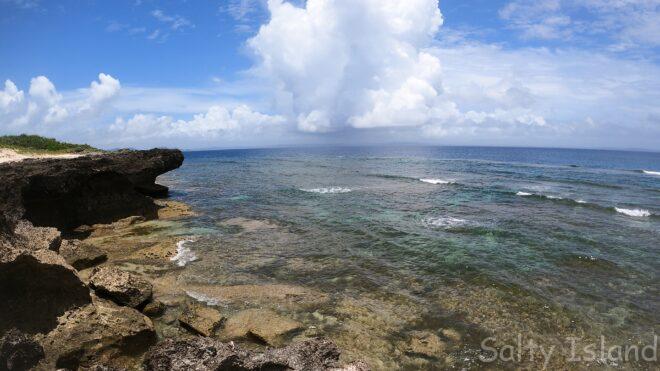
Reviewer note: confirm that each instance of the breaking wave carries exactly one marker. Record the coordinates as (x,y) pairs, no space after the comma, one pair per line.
(183,253)
(328,190)
(202,298)
(436,181)
(649,172)
(633,212)
(445,222)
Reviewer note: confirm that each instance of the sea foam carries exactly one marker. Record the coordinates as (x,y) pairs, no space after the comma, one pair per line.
(183,253)
(436,181)
(651,172)
(202,298)
(527,194)
(445,221)
(633,212)
(328,190)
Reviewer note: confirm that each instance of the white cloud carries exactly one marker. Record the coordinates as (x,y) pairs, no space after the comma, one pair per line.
(24,4)
(175,22)
(10,97)
(359,63)
(45,105)
(217,121)
(369,71)
(44,99)
(42,89)
(374,65)
(548,97)
(100,92)
(623,23)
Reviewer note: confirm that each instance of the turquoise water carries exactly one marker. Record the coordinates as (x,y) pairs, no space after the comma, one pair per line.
(574,234)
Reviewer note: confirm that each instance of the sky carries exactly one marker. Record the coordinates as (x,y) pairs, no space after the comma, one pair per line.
(203,74)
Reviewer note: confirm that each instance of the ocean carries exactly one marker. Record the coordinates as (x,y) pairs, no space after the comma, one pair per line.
(463,243)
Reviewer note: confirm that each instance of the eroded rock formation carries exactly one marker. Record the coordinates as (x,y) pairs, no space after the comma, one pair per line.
(66,193)
(36,287)
(42,297)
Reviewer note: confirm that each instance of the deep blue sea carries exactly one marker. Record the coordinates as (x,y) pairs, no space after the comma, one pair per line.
(545,242)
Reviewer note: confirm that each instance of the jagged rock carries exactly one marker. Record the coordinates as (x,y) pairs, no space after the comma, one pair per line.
(200,319)
(154,308)
(122,287)
(95,334)
(425,344)
(66,193)
(208,354)
(263,324)
(19,351)
(81,255)
(35,238)
(36,287)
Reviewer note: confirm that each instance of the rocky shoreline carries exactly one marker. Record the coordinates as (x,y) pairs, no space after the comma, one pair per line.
(70,297)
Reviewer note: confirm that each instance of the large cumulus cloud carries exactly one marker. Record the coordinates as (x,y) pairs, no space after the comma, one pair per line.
(356,63)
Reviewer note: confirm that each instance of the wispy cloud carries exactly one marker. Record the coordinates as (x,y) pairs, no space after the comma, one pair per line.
(23,4)
(621,24)
(174,22)
(247,14)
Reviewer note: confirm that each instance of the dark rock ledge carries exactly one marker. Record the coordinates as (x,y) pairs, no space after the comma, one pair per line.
(52,319)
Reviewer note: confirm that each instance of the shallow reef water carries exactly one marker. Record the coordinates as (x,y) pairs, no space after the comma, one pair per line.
(409,257)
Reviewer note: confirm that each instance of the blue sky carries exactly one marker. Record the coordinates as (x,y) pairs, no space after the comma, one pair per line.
(249,73)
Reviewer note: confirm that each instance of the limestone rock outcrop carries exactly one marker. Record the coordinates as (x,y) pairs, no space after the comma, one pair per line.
(81,255)
(208,354)
(66,193)
(200,319)
(19,351)
(124,288)
(36,287)
(95,333)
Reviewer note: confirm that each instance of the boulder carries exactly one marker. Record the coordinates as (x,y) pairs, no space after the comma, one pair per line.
(154,308)
(81,255)
(209,354)
(35,238)
(36,287)
(262,324)
(96,334)
(122,287)
(19,351)
(200,319)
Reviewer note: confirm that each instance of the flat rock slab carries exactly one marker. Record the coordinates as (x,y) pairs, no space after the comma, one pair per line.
(81,255)
(260,295)
(173,209)
(200,319)
(122,287)
(263,324)
(209,354)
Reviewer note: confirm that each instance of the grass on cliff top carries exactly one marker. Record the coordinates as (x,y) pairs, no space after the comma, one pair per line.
(37,144)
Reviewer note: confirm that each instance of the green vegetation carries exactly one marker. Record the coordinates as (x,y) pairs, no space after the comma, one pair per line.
(38,144)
